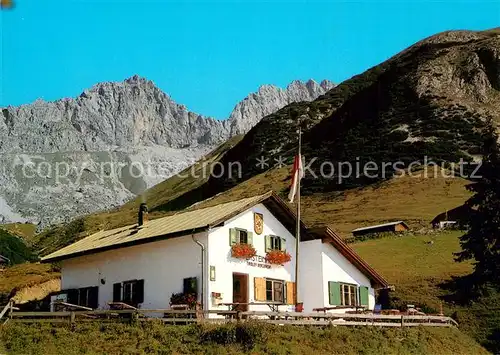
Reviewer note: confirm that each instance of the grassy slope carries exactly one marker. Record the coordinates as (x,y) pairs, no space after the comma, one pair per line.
(14,248)
(413,199)
(419,270)
(158,338)
(25,275)
(23,230)
(414,266)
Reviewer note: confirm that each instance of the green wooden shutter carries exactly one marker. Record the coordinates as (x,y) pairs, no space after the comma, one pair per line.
(117,292)
(334,293)
(268,243)
(139,294)
(363,295)
(190,285)
(73,295)
(283,244)
(93,300)
(250,238)
(233,236)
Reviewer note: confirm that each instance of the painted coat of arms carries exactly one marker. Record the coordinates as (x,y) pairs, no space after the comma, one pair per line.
(258,223)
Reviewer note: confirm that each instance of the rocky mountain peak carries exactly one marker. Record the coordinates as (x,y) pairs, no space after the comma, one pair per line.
(269,99)
(327,85)
(115,124)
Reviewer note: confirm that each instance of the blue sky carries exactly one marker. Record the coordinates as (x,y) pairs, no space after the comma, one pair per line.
(209,55)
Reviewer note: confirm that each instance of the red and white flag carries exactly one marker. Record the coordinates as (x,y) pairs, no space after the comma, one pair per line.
(297,174)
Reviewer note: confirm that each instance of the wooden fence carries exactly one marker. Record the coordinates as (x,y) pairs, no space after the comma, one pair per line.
(190,316)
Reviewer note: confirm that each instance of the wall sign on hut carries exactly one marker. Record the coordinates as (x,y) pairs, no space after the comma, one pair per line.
(258,223)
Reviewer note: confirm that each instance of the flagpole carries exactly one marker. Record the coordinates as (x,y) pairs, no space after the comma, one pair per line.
(297,237)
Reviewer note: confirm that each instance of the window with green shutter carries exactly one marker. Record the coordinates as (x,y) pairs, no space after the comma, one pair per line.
(349,295)
(190,285)
(233,236)
(250,238)
(283,244)
(273,242)
(73,296)
(268,243)
(117,292)
(334,293)
(240,236)
(363,295)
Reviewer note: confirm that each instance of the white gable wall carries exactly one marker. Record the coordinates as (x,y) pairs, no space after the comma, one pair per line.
(163,265)
(220,256)
(311,285)
(329,265)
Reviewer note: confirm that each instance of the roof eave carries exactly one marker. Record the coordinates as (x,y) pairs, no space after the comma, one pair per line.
(48,259)
(354,258)
(381,225)
(270,199)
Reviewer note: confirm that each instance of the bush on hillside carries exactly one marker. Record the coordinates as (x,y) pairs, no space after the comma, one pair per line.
(14,248)
(157,338)
(245,334)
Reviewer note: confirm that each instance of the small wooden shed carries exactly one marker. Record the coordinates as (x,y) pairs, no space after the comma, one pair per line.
(459,215)
(392,227)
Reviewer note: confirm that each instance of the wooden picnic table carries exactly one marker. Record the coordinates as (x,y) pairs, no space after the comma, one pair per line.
(120,306)
(232,306)
(71,306)
(325,309)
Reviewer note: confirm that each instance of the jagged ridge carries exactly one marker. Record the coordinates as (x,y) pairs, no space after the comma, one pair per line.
(115,124)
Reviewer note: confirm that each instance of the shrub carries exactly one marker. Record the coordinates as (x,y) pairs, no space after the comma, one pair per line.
(15,249)
(247,335)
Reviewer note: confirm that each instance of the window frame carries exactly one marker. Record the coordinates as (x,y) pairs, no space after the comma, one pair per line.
(274,239)
(349,290)
(188,287)
(272,291)
(84,295)
(275,242)
(133,291)
(239,231)
(136,295)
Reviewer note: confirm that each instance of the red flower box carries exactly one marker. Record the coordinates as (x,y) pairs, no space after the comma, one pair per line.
(182,298)
(243,251)
(278,257)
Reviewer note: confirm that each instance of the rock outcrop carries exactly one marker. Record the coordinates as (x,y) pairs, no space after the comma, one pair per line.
(75,156)
(269,99)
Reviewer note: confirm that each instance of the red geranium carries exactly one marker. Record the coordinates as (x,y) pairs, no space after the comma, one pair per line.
(189,299)
(278,257)
(243,251)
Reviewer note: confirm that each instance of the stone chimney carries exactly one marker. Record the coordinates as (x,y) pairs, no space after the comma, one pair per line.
(143,215)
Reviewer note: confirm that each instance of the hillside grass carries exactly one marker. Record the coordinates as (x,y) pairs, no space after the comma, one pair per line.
(27,274)
(23,230)
(155,337)
(425,274)
(416,200)
(415,266)
(14,248)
